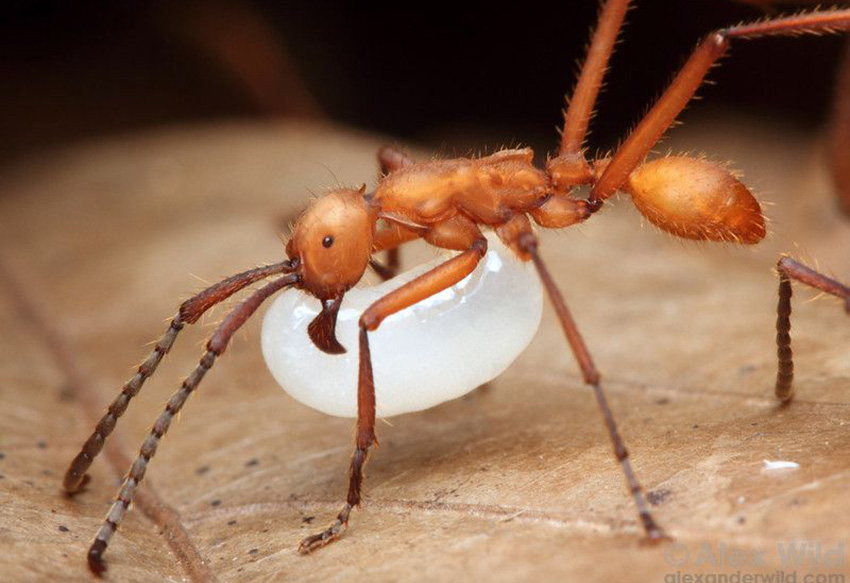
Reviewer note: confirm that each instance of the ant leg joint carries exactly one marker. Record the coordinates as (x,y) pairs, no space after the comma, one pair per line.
(719,39)
(527,242)
(480,245)
(594,204)
(370,321)
(95,557)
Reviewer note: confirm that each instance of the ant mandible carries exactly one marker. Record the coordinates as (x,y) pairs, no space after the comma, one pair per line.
(446,202)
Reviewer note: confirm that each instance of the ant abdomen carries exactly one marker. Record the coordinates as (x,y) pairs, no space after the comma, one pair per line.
(696,199)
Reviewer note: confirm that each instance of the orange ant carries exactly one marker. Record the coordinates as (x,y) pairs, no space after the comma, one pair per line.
(446,202)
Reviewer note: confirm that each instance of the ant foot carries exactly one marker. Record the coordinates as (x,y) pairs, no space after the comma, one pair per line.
(95,557)
(655,536)
(327,536)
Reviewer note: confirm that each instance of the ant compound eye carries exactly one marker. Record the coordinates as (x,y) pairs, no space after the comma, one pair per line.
(327,241)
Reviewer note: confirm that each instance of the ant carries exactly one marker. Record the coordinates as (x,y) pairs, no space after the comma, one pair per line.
(446,203)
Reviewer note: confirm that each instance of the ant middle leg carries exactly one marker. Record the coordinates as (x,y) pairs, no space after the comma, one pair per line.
(789,269)
(580,105)
(570,167)
(528,244)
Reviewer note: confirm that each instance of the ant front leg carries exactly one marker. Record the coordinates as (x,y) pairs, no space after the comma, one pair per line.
(448,235)
(527,243)
(189,313)
(789,269)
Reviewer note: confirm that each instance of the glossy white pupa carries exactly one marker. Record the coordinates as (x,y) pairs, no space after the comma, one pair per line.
(434,351)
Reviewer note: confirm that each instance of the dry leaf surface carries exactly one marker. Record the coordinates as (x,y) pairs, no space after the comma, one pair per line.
(513,482)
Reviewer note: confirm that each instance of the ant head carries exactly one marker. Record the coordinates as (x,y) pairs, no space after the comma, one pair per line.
(332,242)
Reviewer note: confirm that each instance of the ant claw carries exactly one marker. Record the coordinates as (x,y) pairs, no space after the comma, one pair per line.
(317,541)
(655,536)
(70,493)
(95,558)
(324,538)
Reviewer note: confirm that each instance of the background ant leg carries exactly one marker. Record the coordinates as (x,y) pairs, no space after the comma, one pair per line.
(528,243)
(215,348)
(426,285)
(189,313)
(390,159)
(390,239)
(650,129)
(393,261)
(383,271)
(790,269)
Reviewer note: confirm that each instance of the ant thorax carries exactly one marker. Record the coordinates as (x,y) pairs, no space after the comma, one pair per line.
(490,189)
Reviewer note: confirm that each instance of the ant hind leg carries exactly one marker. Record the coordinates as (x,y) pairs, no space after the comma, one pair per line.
(790,269)
(681,90)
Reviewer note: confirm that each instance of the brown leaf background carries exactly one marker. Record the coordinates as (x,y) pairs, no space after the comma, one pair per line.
(514,482)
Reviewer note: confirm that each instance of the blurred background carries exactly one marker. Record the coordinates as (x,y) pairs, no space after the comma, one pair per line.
(454,79)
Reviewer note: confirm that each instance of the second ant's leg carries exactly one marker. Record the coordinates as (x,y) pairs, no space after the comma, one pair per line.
(650,129)
(528,243)
(789,269)
(581,103)
(189,313)
(429,283)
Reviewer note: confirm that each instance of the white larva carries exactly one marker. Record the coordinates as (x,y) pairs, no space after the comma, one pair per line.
(434,351)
